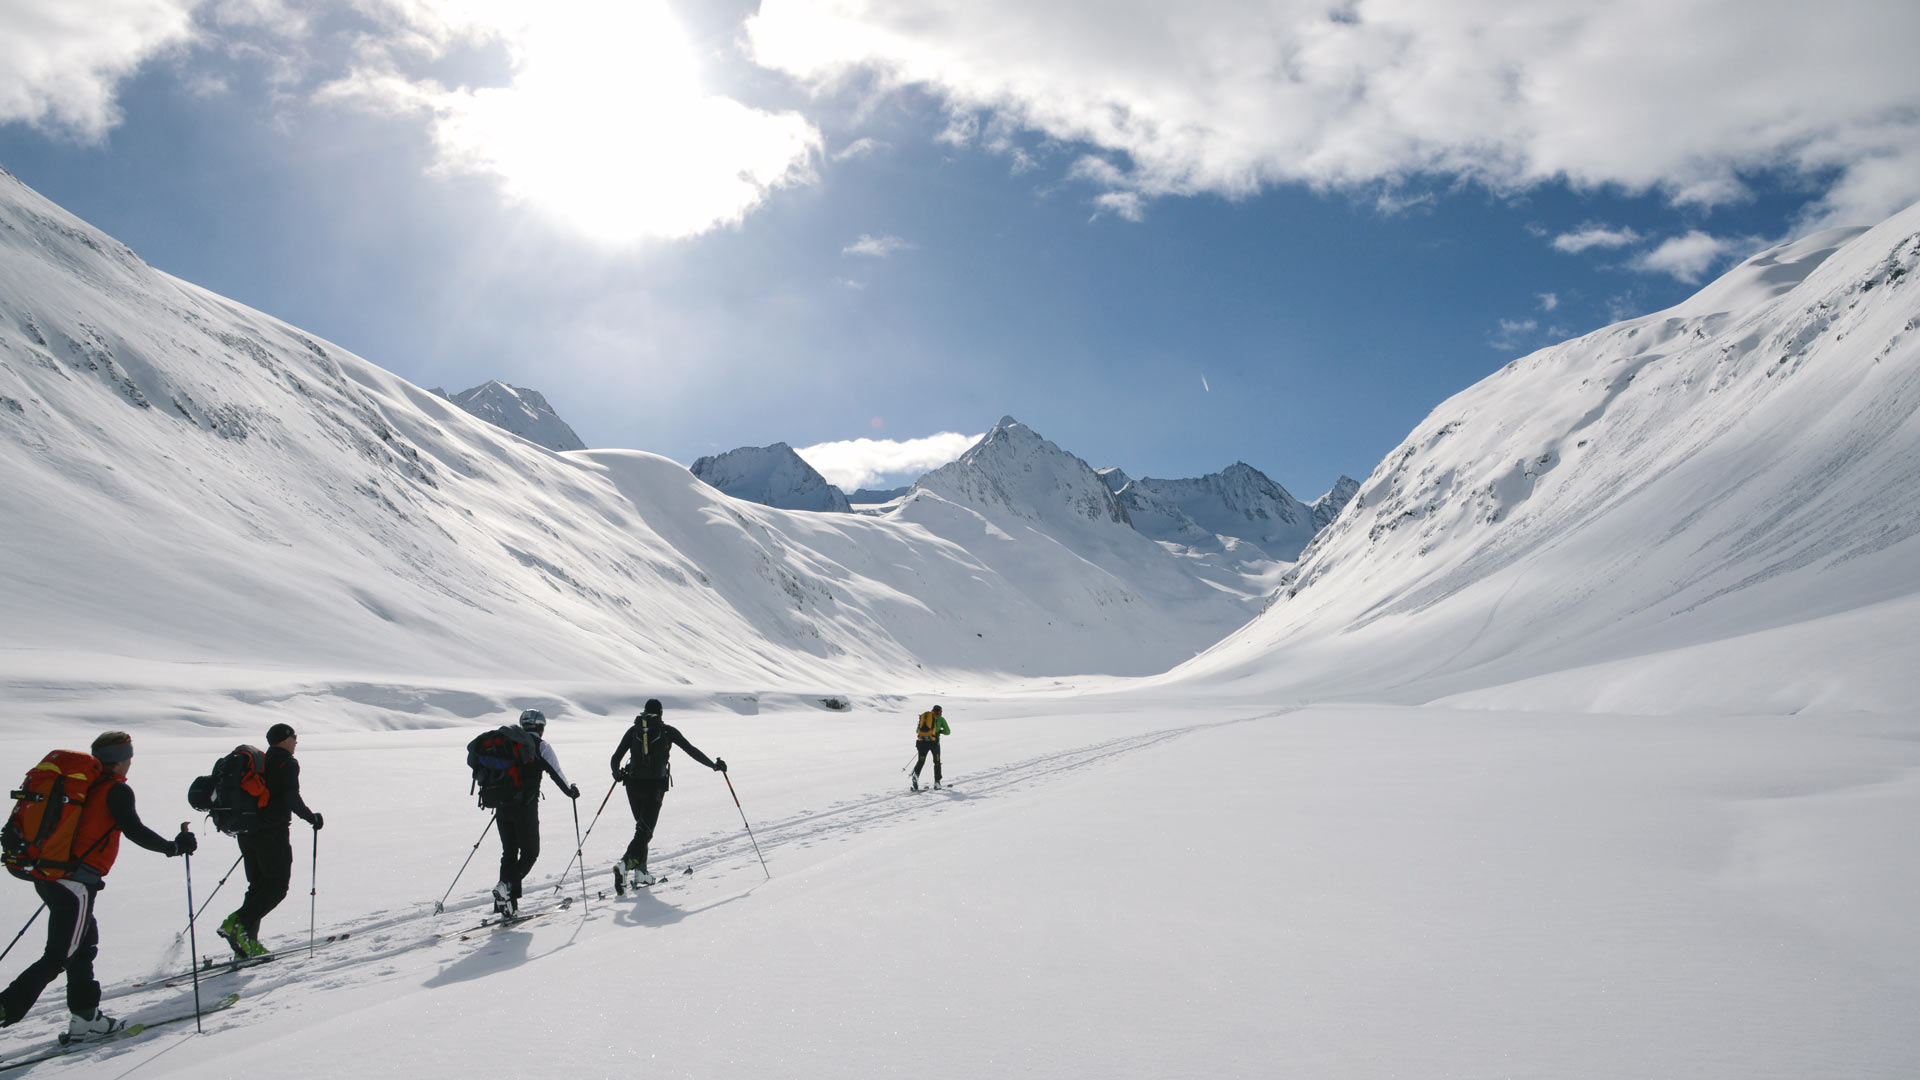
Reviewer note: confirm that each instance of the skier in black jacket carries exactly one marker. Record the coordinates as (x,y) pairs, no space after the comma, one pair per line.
(520,821)
(648,777)
(73,938)
(268,849)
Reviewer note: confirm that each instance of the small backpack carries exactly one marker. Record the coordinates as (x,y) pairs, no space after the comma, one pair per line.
(37,842)
(506,766)
(235,793)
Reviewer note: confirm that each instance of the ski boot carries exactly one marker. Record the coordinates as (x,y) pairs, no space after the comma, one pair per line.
(503,899)
(234,935)
(641,878)
(620,878)
(914,784)
(97,1026)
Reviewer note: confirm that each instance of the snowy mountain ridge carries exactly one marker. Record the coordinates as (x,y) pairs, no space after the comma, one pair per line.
(519,410)
(1237,503)
(156,437)
(771,476)
(1707,482)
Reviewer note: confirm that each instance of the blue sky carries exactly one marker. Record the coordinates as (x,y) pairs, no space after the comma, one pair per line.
(1167,237)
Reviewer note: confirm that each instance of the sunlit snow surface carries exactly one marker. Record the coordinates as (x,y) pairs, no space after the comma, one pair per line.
(1561,760)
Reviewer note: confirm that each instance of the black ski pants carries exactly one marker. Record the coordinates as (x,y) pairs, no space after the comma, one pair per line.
(73,940)
(267,854)
(645,797)
(519,825)
(926,746)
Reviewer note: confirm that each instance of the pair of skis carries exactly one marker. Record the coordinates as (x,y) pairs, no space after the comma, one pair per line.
(66,1044)
(498,921)
(622,886)
(211,966)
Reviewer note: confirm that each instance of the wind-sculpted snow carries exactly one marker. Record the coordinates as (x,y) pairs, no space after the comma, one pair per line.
(1742,462)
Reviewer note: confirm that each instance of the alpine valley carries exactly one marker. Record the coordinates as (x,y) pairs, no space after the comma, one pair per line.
(1575,740)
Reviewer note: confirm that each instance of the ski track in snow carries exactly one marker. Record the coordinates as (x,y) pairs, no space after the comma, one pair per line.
(723,859)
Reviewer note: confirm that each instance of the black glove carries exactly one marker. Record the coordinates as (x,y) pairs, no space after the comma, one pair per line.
(318,821)
(573,792)
(185,844)
(619,775)
(719,764)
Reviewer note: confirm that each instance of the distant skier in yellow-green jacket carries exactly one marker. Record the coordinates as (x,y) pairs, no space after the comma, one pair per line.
(926,739)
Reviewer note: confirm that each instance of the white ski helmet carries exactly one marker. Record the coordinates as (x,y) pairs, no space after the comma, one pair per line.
(533,720)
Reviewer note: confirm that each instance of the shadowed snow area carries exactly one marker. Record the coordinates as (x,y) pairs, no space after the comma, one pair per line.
(1581,742)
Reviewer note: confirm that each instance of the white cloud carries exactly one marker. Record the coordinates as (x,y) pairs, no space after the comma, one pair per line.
(1511,332)
(1687,257)
(1594,236)
(605,125)
(60,60)
(878,247)
(1126,204)
(1548,301)
(859,148)
(1230,96)
(856,463)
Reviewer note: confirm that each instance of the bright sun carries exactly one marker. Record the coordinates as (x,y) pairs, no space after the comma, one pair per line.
(607,127)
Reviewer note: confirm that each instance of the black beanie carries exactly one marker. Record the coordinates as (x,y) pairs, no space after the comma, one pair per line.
(279,733)
(654,707)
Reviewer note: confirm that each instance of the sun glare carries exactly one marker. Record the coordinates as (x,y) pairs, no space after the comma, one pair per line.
(607,127)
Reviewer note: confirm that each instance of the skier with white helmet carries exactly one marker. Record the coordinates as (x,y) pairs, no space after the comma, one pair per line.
(519,819)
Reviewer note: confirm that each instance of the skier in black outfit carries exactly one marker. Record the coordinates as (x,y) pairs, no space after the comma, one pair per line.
(519,821)
(268,849)
(648,777)
(73,938)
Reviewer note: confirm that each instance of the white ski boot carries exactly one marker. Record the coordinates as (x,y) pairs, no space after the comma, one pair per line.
(96,1026)
(503,898)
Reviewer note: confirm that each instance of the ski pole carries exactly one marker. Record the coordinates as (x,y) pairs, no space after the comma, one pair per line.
(440,905)
(313,894)
(208,902)
(23,929)
(743,821)
(583,862)
(192,938)
(578,846)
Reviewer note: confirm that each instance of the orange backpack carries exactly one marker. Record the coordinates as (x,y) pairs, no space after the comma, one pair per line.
(37,843)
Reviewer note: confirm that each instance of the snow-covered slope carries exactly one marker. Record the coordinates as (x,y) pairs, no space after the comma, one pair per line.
(519,410)
(1043,518)
(1731,481)
(771,476)
(187,481)
(1239,503)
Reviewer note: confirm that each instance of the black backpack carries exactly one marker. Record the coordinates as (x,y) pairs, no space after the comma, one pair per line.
(506,766)
(235,793)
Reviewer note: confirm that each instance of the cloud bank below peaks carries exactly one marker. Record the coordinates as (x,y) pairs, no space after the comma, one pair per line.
(1228,96)
(852,464)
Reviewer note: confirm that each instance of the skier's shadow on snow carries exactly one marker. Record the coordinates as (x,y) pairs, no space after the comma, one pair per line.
(643,908)
(502,950)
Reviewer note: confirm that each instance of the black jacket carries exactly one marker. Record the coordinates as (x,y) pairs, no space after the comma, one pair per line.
(650,744)
(283,791)
(127,820)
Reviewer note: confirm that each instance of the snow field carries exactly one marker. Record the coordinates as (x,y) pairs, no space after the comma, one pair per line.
(1126,889)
